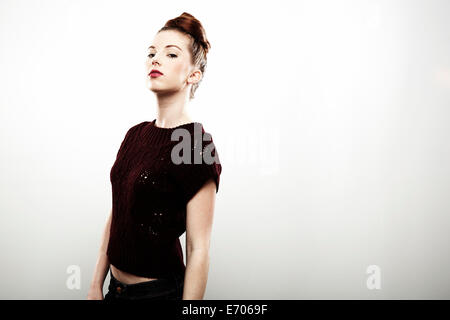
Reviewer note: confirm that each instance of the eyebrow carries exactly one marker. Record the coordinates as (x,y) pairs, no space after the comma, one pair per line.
(170,45)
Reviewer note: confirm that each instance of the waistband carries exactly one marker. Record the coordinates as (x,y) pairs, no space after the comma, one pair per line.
(169,284)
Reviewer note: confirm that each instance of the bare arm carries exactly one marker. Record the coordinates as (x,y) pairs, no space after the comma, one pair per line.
(102,265)
(200,211)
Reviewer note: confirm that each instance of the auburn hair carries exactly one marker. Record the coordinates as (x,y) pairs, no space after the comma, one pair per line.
(189,25)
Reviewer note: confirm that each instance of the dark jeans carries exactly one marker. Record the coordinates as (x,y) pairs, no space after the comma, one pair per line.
(170,288)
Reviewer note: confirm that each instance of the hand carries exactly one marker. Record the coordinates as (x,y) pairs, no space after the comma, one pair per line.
(95,293)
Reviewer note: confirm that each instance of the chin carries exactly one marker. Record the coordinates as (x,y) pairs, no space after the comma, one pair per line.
(156,90)
(152,87)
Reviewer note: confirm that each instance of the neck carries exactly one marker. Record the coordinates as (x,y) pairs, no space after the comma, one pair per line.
(171,110)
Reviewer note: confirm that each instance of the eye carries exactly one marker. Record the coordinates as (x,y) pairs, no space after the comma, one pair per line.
(171,55)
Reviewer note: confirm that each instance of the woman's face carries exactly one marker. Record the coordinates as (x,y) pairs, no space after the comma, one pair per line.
(170,55)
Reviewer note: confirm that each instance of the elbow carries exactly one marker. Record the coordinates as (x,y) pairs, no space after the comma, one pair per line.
(202,252)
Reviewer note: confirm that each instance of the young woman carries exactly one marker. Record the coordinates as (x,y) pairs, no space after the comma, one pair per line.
(157,197)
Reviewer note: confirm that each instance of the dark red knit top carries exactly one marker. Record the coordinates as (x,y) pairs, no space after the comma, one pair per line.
(150,192)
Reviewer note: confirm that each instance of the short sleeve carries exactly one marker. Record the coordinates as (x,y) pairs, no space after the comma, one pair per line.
(192,176)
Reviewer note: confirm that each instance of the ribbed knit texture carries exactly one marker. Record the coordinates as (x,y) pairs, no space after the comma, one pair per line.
(150,193)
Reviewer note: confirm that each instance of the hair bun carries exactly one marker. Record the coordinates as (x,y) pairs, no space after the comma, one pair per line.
(188,24)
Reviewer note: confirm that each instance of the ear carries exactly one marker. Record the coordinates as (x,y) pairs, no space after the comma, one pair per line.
(195,76)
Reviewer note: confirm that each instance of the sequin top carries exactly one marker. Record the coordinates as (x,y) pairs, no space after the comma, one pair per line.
(150,191)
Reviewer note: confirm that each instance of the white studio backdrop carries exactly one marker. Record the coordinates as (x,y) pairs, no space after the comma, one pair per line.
(330,119)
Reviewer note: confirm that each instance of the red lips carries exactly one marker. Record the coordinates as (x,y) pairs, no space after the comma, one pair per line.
(154,71)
